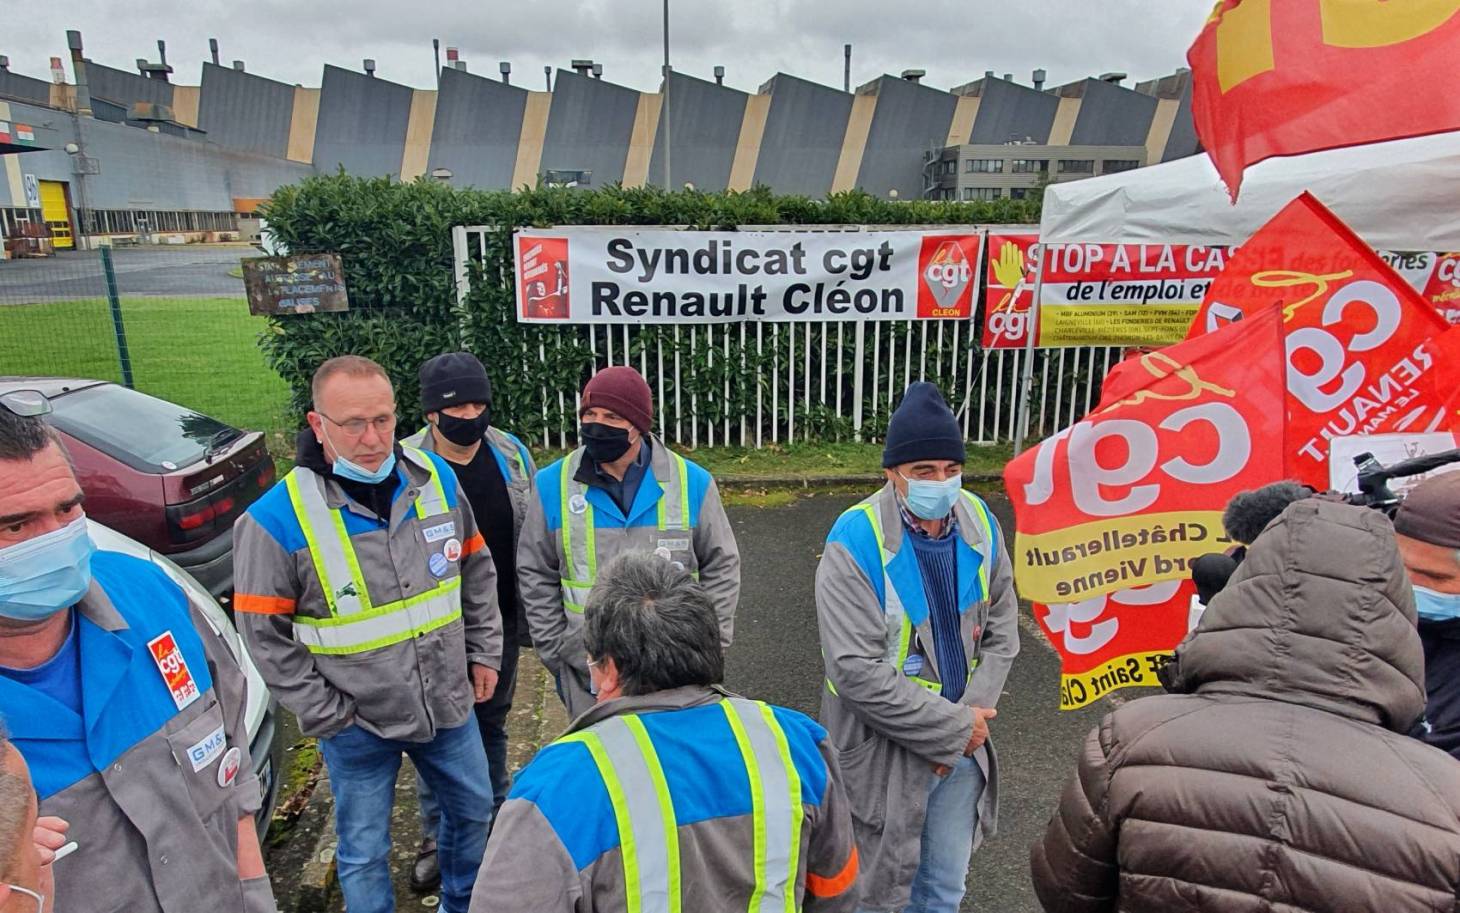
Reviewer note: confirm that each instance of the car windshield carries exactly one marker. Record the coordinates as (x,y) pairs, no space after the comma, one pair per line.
(142,431)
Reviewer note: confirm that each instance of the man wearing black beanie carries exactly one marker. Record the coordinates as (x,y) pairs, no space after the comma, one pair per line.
(919,627)
(496,473)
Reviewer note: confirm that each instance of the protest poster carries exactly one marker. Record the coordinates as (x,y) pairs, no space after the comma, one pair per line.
(615,274)
(1355,332)
(1008,303)
(1123,294)
(1110,512)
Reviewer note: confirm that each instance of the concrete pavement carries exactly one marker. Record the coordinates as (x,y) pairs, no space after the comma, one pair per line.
(193,271)
(776,657)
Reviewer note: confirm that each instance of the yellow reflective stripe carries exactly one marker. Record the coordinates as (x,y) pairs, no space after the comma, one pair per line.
(441,589)
(291,484)
(982,513)
(666,806)
(388,640)
(590,540)
(793,783)
(628,852)
(423,506)
(567,532)
(351,559)
(757,801)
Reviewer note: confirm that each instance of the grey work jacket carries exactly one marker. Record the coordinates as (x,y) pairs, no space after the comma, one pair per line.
(890,730)
(548,853)
(157,830)
(407,690)
(707,549)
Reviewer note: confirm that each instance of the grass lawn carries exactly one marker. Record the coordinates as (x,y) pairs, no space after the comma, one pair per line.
(199,352)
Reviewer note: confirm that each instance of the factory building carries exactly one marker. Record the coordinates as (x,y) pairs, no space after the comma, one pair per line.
(134,153)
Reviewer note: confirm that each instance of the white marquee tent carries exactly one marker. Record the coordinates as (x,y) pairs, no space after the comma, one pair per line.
(1399,195)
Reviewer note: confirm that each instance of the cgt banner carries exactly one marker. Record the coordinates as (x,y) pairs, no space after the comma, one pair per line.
(1358,337)
(627,275)
(1013,261)
(1123,294)
(1111,511)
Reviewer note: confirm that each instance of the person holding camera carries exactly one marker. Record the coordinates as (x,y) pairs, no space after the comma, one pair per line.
(1427,529)
(1280,774)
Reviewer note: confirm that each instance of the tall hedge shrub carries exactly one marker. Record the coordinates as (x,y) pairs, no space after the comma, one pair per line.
(395,243)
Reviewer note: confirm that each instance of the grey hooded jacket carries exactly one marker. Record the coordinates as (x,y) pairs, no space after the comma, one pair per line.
(1281,779)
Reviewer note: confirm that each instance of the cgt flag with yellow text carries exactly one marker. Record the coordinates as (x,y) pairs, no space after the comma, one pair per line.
(1283,77)
(1110,512)
(1357,337)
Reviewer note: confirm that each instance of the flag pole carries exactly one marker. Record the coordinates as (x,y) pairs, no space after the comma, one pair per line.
(1026,381)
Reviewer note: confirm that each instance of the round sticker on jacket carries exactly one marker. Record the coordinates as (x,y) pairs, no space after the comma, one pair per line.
(438,564)
(228,769)
(577,504)
(662,552)
(452,550)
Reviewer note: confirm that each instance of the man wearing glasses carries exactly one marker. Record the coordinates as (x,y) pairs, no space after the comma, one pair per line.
(368,600)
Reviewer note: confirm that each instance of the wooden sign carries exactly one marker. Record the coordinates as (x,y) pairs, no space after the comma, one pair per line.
(307,284)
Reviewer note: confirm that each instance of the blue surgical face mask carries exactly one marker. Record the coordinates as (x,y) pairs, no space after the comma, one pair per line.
(357,473)
(39,577)
(932,500)
(1436,606)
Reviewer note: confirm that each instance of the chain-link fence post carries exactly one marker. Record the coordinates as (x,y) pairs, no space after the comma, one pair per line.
(115,301)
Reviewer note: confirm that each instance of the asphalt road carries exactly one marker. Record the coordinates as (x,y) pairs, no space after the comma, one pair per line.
(776,657)
(190,271)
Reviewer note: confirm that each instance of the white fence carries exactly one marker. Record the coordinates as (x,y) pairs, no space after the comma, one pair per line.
(818,380)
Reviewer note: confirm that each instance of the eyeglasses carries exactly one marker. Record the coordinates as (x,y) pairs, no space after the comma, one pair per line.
(40,900)
(25,403)
(383,424)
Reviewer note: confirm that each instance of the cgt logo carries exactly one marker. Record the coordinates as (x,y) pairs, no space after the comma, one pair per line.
(946,267)
(542,271)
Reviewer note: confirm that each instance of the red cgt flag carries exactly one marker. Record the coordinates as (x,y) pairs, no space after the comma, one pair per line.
(1355,333)
(1111,511)
(1282,77)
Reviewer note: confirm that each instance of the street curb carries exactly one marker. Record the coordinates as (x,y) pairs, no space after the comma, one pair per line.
(317,876)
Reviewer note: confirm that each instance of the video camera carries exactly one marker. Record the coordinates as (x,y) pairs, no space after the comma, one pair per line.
(1374,478)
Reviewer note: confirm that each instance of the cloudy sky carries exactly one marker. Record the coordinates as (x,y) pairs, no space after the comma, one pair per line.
(954,40)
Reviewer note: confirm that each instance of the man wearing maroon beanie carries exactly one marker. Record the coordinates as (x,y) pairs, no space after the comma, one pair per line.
(1427,528)
(621,491)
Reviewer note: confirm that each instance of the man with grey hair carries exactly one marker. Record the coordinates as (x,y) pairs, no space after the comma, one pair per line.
(671,793)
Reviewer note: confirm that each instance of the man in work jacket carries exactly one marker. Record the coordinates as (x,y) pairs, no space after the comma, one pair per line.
(918,616)
(622,491)
(671,794)
(496,472)
(369,602)
(123,700)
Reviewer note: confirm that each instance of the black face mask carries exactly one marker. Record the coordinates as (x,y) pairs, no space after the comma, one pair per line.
(604,443)
(463,432)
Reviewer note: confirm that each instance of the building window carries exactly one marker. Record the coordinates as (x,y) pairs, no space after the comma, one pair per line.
(1077,166)
(1018,193)
(984,166)
(1111,166)
(982,193)
(1029,166)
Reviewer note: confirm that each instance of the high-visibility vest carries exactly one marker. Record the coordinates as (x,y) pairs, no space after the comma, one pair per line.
(648,832)
(353,622)
(511,454)
(580,547)
(899,626)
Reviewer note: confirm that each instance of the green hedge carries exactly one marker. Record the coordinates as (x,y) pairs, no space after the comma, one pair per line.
(395,242)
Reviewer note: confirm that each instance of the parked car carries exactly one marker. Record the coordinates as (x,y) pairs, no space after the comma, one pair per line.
(169,477)
(261,714)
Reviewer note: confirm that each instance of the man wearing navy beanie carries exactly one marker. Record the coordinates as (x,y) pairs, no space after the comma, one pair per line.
(919,627)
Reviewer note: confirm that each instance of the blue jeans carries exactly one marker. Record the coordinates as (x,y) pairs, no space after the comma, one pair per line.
(947,844)
(492,718)
(363,768)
